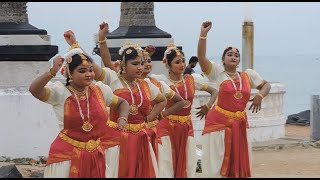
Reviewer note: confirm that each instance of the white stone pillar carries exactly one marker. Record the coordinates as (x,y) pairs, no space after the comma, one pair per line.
(28,126)
(247,56)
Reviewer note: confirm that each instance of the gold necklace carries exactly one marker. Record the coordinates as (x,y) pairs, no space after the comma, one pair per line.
(188,103)
(238,94)
(176,82)
(86,126)
(81,94)
(133,108)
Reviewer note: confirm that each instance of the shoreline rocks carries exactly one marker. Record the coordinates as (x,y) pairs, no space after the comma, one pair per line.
(302,118)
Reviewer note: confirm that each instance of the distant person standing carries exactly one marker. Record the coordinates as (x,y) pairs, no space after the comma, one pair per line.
(192,64)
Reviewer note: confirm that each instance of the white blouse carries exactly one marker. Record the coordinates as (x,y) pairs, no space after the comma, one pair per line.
(217,75)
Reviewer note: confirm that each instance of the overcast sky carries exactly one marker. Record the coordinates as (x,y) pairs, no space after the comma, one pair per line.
(279,28)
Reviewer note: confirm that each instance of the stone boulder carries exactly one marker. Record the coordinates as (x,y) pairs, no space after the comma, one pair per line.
(302,118)
(9,171)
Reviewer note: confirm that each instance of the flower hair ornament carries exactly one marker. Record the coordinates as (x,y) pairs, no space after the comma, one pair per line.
(129,51)
(68,59)
(170,48)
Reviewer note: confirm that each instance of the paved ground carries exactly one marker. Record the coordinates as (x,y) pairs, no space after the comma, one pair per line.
(291,156)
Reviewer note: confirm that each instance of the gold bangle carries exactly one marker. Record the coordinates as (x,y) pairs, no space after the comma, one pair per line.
(74,45)
(259,94)
(203,38)
(103,41)
(207,106)
(50,74)
(125,119)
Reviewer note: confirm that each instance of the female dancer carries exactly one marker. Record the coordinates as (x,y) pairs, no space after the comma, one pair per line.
(225,147)
(80,108)
(137,157)
(175,98)
(177,153)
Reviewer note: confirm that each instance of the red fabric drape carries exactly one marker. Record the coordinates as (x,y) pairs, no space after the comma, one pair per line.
(83,163)
(236,157)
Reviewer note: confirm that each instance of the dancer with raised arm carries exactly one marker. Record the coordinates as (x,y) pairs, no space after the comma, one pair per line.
(137,158)
(80,108)
(225,147)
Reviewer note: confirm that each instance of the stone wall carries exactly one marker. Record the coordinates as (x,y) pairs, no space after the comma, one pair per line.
(15,12)
(137,14)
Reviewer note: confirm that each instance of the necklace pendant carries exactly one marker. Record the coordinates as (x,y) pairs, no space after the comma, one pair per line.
(82,98)
(133,109)
(87,126)
(238,95)
(188,104)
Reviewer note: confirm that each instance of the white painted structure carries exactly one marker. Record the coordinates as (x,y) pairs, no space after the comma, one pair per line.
(28,126)
(32,39)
